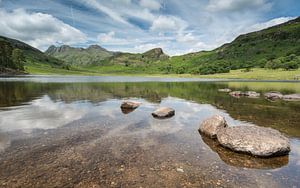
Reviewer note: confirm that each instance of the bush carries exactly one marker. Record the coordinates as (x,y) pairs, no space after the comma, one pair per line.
(291,65)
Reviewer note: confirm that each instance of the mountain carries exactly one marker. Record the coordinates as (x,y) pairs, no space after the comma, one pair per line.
(141,59)
(274,47)
(79,56)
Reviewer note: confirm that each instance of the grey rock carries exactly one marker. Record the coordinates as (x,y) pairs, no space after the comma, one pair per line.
(212,125)
(254,140)
(292,97)
(273,95)
(163,112)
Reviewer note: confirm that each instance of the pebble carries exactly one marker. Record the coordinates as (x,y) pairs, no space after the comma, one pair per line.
(180,170)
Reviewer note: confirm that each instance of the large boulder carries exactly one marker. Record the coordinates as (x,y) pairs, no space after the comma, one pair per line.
(254,140)
(163,112)
(244,161)
(212,125)
(273,95)
(292,97)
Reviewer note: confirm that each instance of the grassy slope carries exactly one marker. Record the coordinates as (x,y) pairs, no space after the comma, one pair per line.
(257,73)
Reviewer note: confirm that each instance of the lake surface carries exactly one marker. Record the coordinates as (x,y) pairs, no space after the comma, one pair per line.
(70,132)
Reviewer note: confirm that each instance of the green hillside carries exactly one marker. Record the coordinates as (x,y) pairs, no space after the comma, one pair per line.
(79,56)
(16,55)
(274,47)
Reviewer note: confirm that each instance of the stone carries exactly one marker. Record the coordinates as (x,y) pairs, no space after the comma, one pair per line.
(237,94)
(163,112)
(130,105)
(226,90)
(254,140)
(250,94)
(179,170)
(212,125)
(273,95)
(292,97)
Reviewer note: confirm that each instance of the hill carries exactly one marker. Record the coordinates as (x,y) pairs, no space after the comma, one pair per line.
(79,56)
(139,59)
(14,55)
(274,47)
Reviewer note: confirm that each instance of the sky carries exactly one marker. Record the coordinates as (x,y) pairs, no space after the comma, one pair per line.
(176,26)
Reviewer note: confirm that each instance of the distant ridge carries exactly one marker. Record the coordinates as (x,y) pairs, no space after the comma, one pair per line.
(79,56)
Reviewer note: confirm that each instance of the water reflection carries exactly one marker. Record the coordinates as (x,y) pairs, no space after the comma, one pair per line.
(243,160)
(41,113)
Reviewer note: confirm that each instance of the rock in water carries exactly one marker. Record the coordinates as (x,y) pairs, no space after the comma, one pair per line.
(130,105)
(254,140)
(292,97)
(226,90)
(212,125)
(250,94)
(163,112)
(273,95)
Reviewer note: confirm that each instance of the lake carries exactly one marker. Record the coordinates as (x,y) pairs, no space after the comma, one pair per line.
(64,131)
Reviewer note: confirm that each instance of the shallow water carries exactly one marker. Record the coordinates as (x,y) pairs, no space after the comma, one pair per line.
(71,132)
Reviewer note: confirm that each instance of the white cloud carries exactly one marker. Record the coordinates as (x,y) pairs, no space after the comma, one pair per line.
(38,29)
(186,38)
(42,113)
(150,4)
(270,23)
(168,23)
(108,11)
(238,5)
(110,39)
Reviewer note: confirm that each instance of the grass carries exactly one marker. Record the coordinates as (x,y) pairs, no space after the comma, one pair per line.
(255,74)
(258,74)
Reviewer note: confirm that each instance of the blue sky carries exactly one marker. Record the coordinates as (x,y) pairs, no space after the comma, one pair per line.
(177,26)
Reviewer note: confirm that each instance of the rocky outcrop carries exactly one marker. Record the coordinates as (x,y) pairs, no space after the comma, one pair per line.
(273,95)
(292,97)
(163,112)
(254,140)
(212,125)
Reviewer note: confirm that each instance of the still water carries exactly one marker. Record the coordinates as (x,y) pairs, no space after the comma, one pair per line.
(70,132)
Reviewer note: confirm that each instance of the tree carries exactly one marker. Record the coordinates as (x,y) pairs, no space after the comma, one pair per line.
(291,65)
(18,59)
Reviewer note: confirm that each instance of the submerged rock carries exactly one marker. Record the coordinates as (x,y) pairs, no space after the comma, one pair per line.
(273,95)
(163,112)
(226,90)
(254,140)
(212,125)
(130,105)
(292,97)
